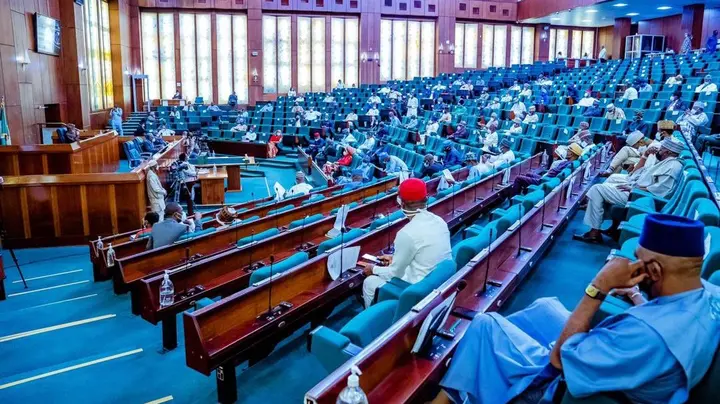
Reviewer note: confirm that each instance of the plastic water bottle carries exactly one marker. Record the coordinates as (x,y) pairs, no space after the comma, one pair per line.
(545,159)
(167,291)
(353,394)
(214,169)
(110,259)
(98,246)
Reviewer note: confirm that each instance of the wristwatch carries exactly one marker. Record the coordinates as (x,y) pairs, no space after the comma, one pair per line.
(594,292)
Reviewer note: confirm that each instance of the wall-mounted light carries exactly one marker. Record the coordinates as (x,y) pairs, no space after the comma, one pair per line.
(370,57)
(126,71)
(255,75)
(82,67)
(24,60)
(447,48)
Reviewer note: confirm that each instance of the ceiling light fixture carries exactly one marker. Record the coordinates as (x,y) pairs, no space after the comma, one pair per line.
(592,10)
(586,21)
(632,14)
(620,5)
(664,8)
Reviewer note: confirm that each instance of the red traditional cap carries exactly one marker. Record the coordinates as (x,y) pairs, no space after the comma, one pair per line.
(413,190)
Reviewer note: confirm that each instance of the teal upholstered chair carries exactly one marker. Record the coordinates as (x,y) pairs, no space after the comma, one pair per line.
(333,348)
(314,198)
(306,221)
(465,250)
(194,234)
(335,211)
(258,237)
(398,214)
(280,210)
(343,238)
(528,201)
(512,215)
(279,267)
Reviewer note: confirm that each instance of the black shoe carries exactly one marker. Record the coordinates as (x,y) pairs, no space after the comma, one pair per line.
(587,238)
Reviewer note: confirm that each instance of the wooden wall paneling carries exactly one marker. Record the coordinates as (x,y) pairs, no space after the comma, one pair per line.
(463,8)
(339,6)
(692,22)
(388,6)
(321,5)
(270,4)
(98,208)
(540,8)
(71,215)
(620,31)
(185,3)
(13,212)
(605,37)
(213,56)
(432,7)
(127,213)
(223,4)
(40,211)
(303,5)
(6,32)
(255,90)
(294,78)
(286,5)
(668,26)
(204,4)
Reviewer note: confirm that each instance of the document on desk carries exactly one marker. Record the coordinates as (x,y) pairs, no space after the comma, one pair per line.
(342,260)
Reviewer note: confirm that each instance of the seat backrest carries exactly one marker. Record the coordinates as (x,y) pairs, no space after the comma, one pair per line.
(693,190)
(306,221)
(711,262)
(336,241)
(416,292)
(280,267)
(465,250)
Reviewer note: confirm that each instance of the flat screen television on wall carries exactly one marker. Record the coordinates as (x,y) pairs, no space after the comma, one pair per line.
(47,35)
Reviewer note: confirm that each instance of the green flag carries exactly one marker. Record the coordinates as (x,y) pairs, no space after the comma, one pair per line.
(4,129)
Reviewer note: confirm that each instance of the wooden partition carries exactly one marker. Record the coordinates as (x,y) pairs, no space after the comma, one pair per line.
(64,209)
(97,154)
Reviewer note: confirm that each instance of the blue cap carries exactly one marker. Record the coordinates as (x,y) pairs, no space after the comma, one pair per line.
(382,156)
(505,143)
(675,236)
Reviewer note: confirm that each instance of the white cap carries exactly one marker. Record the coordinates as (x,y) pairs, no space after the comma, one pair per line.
(354,378)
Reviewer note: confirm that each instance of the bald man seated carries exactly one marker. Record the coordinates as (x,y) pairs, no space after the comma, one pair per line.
(654,352)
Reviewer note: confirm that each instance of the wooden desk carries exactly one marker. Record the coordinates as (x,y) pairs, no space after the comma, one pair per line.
(168,103)
(238,148)
(233,174)
(212,187)
(97,154)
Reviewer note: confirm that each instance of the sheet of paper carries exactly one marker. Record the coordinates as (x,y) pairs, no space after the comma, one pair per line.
(279,191)
(339,222)
(569,191)
(342,260)
(506,176)
(708,243)
(437,317)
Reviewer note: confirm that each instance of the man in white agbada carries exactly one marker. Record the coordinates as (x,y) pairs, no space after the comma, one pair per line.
(419,246)
(156,191)
(630,92)
(506,154)
(526,91)
(659,180)
(587,100)
(516,127)
(628,155)
(412,105)
(707,85)
(612,112)
(301,187)
(491,137)
(518,108)
(476,169)
(531,116)
(692,119)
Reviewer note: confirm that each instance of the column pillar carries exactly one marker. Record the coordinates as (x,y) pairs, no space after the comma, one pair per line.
(73,53)
(120,47)
(370,41)
(255,51)
(542,46)
(621,30)
(692,22)
(445,32)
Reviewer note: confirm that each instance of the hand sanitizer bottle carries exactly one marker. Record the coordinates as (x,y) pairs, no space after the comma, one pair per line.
(167,291)
(353,394)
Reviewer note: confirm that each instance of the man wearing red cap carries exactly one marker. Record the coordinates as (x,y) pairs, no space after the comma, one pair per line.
(419,246)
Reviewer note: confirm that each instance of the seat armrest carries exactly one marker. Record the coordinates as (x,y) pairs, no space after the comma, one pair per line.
(627,231)
(638,193)
(329,347)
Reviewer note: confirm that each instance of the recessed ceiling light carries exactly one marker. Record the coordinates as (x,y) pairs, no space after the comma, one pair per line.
(632,14)
(555,19)
(592,10)
(664,8)
(586,21)
(620,5)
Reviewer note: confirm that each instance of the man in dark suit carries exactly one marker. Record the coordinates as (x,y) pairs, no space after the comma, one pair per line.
(172,228)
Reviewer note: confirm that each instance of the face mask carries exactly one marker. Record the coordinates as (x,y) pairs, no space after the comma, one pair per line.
(658,136)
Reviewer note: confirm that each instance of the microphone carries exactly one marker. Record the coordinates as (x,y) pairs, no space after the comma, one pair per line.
(374,215)
(250,266)
(389,250)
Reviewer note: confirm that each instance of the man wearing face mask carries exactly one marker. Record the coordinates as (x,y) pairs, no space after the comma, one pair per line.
(692,119)
(172,228)
(654,352)
(707,85)
(637,123)
(430,166)
(659,180)
(675,103)
(628,155)
(419,246)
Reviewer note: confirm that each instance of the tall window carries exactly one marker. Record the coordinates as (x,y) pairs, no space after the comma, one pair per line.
(407,49)
(311,53)
(588,43)
(232,70)
(466,44)
(558,43)
(576,44)
(276,54)
(344,48)
(196,56)
(99,61)
(494,42)
(528,45)
(522,45)
(158,47)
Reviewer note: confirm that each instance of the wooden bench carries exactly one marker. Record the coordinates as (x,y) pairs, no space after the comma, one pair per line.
(230,271)
(125,247)
(391,373)
(146,263)
(233,330)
